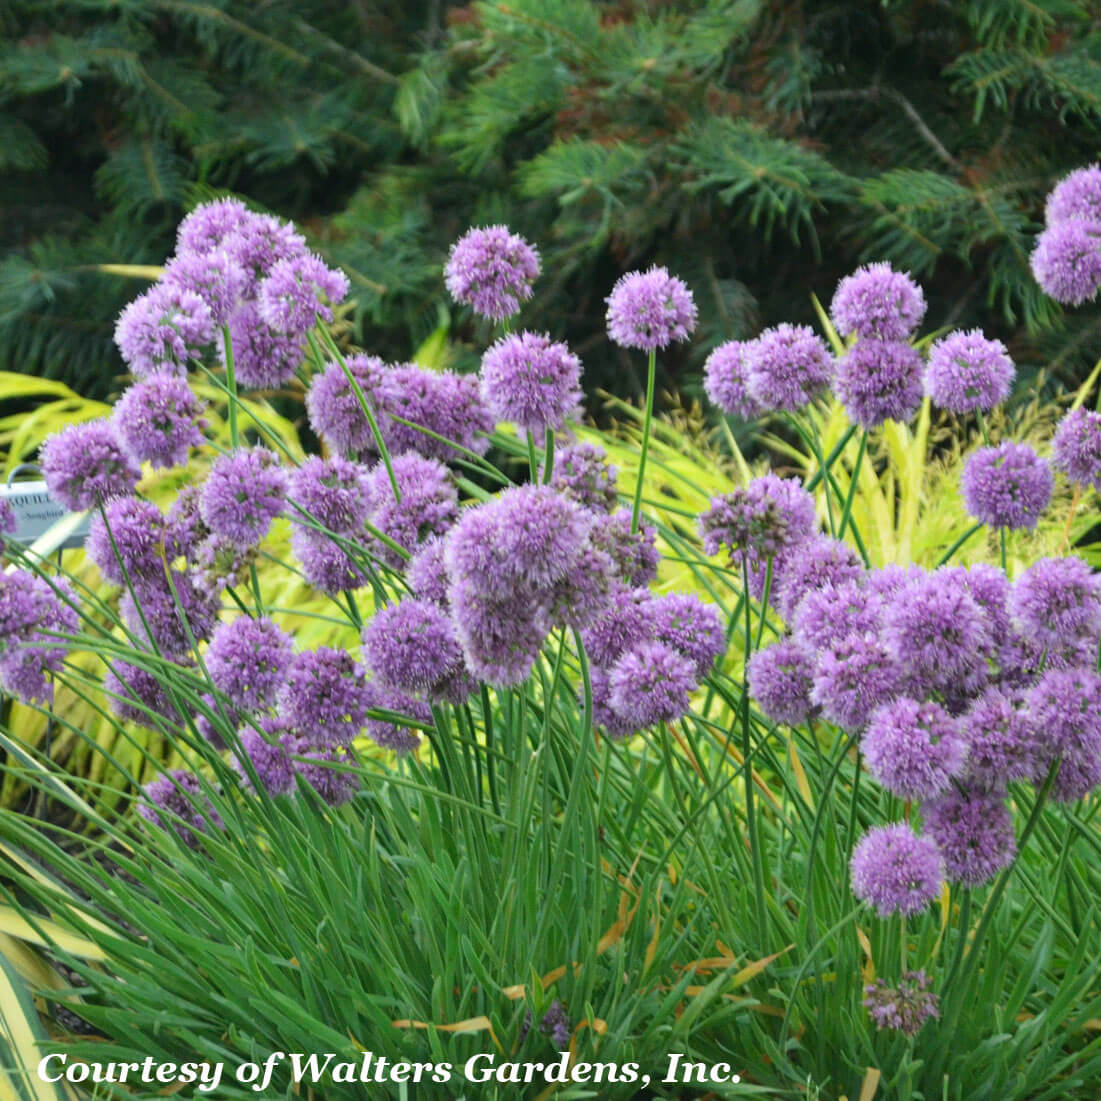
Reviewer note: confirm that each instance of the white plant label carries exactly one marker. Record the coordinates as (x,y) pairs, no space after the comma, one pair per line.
(36,512)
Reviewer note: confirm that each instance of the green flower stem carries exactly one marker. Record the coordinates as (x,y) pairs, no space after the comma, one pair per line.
(982,427)
(1001,533)
(651,370)
(231,386)
(959,543)
(533,461)
(831,458)
(548,457)
(846,514)
(747,748)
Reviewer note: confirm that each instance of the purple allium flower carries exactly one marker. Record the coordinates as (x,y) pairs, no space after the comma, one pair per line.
(86,463)
(390,734)
(623,624)
(261,241)
(896,871)
(905,1008)
(429,503)
(852,678)
(651,684)
(914,749)
(989,588)
(692,628)
(214,276)
(832,612)
(298,291)
(324,696)
(333,491)
(411,645)
(787,366)
(9,522)
(248,659)
(1067,261)
(426,573)
(32,609)
(1064,710)
(173,608)
(334,410)
(326,565)
(177,795)
(876,302)
(974,832)
(812,564)
(634,554)
(532,381)
(444,403)
(887,581)
(263,359)
(1057,602)
(138,696)
(334,785)
(214,718)
(219,562)
(1007,486)
(968,372)
(159,419)
(556,1025)
(999,742)
(576,600)
(243,493)
(604,716)
(209,224)
(767,517)
(1076,447)
(491,270)
(780,678)
(1075,196)
(500,633)
(725,380)
(184,529)
(163,329)
(879,380)
(136,529)
(650,309)
(270,759)
(580,472)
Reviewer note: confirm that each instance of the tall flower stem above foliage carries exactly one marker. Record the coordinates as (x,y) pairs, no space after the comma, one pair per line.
(644,447)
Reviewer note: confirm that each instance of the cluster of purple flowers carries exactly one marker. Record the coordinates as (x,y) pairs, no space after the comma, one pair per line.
(904,1008)
(33,613)
(1067,258)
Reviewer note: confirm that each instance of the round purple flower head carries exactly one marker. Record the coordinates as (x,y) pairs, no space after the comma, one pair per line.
(877,302)
(1075,196)
(334,491)
(1076,447)
(263,359)
(163,329)
(298,291)
(30,607)
(813,563)
(491,270)
(914,749)
(87,463)
(780,678)
(787,366)
(130,544)
(260,242)
(1065,712)
(767,517)
(389,733)
(879,380)
(532,381)
(624,623)
(651,684)
(243,493)
(692,628)
(324,696)
(214,276)
(271,760)
(333,408)
(1007,486)
(974,832)
(429,504)
(634,554)
(830,613)
(138,696)
(896,871)
(649,310)
(904,1008)
(411,645)
(604,716)
(248,659)
(172,614)
(725,380)
(581,472)
(426,573)
(159,419)
(968,372)
(852,678)
(1057,602)
(999,742)
(178,795)
(334,785)
(209,225)
(500,634)
(326,565)
(1067,261)
(447,404)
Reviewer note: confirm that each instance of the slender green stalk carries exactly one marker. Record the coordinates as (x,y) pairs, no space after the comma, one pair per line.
(831,458)
(548,457)
(750,814)
(846,515)
(959,543)
(231,386)
(533,460)
(651,370)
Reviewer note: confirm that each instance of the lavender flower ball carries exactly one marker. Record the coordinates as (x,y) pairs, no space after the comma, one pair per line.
(623,624)
(968,372)
(974,832)
(30,606)
(87,463)
(270,760)
(649,310)
(390,734)
(248,659)
(876,302)
(325,564)
(214,276)
(136,695)
(812,564)
(324,696)
(127,540)
(170,615)
(780,678)
(411,646)
(429,504)
(178,795)
(162,330)
(576,599)
(634,554)
(333,785)
(832,612)
(651,684)
(1064,710)
(1067,261)
(580,471)
(500,634)
(263,359)
(298,291)
(605,717)
(999,742)
(209,225)
(1007,486)
(1076,447)
(158,420)
(334,410)
(532,381)
(447,404)
(786,367)
(904,1008)
(491,270)
(914,749)
(1057,602)
(426,573)
(768,516)
(853,678)
(725,380)
(261,241)
(692,628)
(895,871)
(879,380)
(333,491)
(243,493)
(1075,196)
